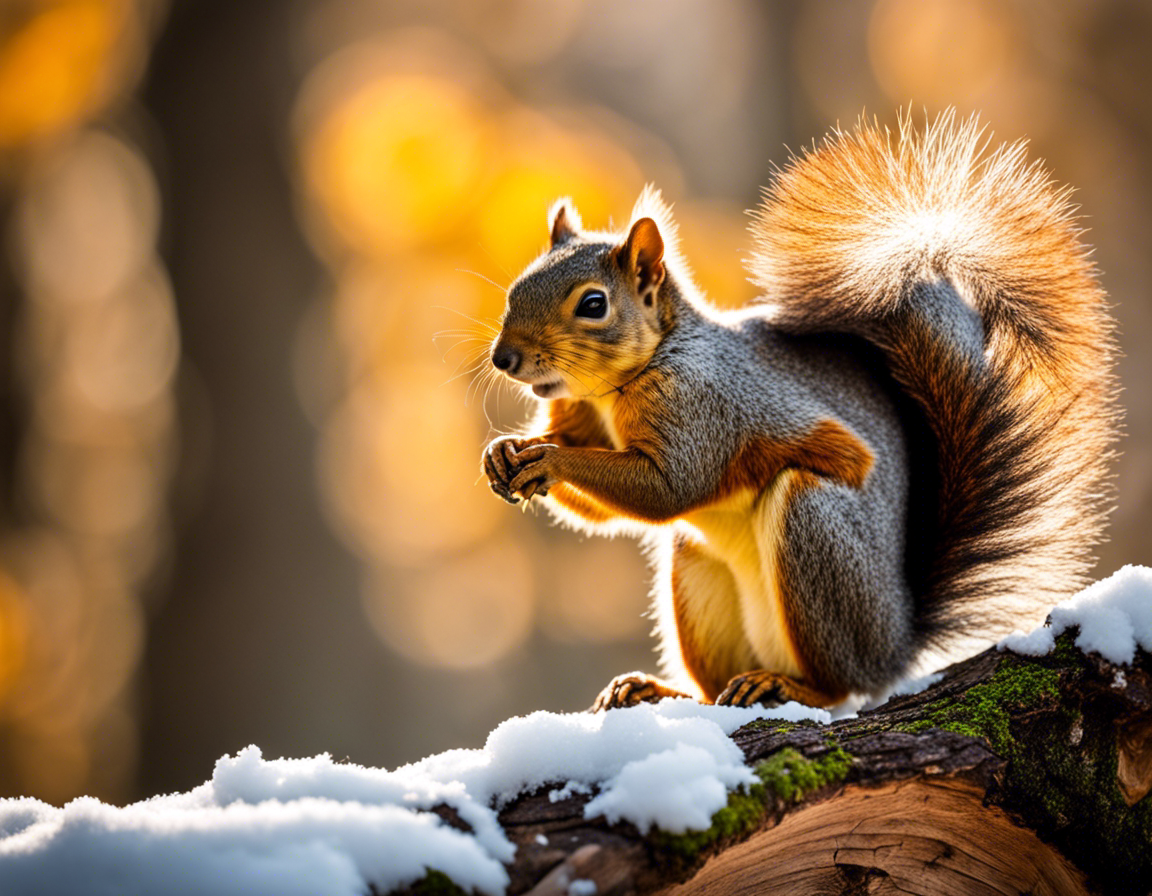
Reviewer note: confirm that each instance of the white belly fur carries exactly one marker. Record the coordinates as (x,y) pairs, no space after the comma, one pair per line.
(742,532)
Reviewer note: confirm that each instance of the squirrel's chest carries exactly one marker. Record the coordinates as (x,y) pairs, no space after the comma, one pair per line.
(726,532)
(607,409)
(740,610)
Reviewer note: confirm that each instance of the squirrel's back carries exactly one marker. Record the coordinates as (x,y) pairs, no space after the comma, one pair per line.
(965,269)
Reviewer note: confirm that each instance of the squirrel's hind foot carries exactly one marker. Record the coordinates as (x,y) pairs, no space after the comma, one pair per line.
(759,686)
(633,688)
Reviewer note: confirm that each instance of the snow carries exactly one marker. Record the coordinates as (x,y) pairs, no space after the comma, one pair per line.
(677,789)
(1114,616)
(303,847)
(569,789)
(306,826)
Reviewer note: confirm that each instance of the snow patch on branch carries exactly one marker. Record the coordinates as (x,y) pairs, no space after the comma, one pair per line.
(1114,616)
(307,826)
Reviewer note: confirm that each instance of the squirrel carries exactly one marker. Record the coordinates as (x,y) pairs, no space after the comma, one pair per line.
(904,445)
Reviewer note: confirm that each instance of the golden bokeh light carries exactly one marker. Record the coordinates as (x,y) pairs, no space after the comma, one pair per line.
(100,492)
(714,238)
(93,202)
(397,162)
(526,32)
(939,52)
(47,573)
(595,592)
(540,161)
(830,61)
(98,353)
(85,632)
(61,64)
(127,357)
(13,636)
(416,308)
(396,473)
(466,612)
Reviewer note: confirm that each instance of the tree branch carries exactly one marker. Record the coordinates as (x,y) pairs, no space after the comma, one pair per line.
(1011,774)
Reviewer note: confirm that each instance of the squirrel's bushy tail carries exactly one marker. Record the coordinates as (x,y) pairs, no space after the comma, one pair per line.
(867,235)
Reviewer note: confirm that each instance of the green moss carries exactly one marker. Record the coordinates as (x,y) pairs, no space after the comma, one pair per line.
(790,776)
(1066,653)
(1062,775)
(743,814)
(986,710)
(777,725)
(436,883)
(914,727)
(1068,776)
(785,775)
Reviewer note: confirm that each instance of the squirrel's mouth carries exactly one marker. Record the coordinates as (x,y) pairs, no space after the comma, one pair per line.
(549,388)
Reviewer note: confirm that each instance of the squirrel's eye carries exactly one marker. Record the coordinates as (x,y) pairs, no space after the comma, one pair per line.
(593,304)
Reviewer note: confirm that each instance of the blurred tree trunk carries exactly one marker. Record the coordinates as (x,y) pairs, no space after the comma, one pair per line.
(12,423)
(11,411)
(255,571)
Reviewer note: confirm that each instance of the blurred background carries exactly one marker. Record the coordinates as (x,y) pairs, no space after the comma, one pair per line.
(250,252)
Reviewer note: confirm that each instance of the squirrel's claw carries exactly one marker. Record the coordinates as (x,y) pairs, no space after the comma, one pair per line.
(504,464)
(533,476)
(766,688)
(499,466)
(501,489)
(633,688)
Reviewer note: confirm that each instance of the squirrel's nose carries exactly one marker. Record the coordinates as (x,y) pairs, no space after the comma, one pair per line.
(506,358)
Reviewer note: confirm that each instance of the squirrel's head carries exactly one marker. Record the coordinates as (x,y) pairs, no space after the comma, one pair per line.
(585,317)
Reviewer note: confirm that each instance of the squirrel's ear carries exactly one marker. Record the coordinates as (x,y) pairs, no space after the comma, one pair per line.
(563,222)
(642,257)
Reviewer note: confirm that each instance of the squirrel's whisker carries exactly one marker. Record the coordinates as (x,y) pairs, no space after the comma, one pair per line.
(564,354)
(492,324)
(482,277)
(474,368)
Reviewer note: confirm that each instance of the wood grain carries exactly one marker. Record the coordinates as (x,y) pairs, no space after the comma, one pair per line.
(928,836)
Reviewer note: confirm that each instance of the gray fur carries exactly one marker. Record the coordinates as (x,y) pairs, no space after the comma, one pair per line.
(726,379)
(733,378)
(989,417)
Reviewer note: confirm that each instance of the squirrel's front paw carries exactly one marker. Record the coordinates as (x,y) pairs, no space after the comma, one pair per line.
(503,461)
(498,466)
(760,686)
(633,688)
(534,475)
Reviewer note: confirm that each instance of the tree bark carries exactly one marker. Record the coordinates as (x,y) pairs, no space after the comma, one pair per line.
(1010,775)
